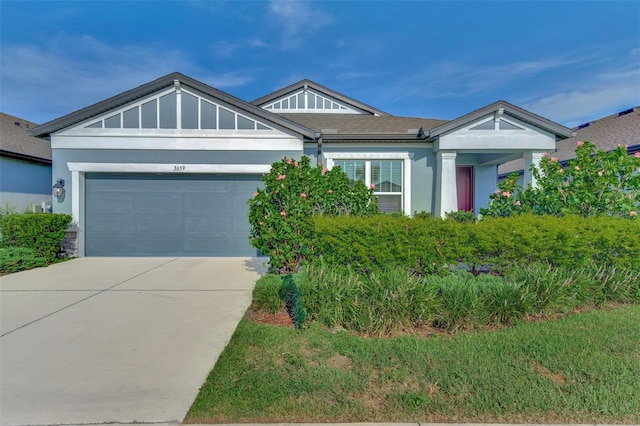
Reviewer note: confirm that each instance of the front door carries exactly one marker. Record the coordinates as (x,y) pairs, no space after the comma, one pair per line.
(464,178)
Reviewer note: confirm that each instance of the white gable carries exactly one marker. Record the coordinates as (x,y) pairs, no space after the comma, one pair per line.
(175,108)
(309,101)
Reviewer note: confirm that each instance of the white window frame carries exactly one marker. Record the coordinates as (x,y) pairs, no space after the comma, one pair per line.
(368,157)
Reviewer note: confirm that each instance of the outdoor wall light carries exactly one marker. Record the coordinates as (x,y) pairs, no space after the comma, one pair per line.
(58,189)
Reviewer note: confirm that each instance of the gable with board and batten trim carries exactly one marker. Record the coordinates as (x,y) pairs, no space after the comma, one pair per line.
(309,101)
(180,119)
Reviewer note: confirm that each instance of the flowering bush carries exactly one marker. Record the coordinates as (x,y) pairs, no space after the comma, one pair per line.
(281,214)
(592,184)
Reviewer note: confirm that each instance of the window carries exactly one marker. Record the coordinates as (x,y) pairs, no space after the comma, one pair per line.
(386,175)
(195,113)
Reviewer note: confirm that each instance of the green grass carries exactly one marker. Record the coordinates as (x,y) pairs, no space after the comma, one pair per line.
(583,368)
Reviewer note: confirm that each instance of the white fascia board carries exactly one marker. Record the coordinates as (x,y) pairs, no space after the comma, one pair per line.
(366,155)
(373,146)
(179,143)
(498,141)
(169,168)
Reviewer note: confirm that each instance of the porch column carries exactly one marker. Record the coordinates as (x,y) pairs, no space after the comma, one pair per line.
(531,158)
(446,184)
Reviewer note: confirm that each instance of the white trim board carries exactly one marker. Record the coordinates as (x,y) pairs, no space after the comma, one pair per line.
(172,142)
(177,168)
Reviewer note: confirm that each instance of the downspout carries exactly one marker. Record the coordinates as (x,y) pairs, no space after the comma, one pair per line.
(319,142)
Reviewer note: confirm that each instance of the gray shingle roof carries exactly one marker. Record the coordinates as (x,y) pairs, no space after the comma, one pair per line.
(341,125)
(16,140)
(607,133)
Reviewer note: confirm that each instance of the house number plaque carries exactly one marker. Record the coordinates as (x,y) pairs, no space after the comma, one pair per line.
(180,168)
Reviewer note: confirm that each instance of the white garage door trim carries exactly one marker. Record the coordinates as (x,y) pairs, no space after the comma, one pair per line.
(79,169)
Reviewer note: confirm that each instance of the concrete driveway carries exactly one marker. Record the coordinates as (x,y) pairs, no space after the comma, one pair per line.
(116,340)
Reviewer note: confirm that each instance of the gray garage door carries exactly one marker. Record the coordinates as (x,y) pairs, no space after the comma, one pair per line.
(167,215)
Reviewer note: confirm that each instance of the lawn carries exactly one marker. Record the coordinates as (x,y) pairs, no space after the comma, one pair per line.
(581,368)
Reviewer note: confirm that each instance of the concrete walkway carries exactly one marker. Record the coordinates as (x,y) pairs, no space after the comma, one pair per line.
(116,340)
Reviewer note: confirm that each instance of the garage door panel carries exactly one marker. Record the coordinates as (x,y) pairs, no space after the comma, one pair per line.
(113,203)
(103,222)
(168,215)
(158,223)
(211,203)
(156,201)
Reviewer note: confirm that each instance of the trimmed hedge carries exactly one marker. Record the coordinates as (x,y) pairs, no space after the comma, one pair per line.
(425,245)
(41,232)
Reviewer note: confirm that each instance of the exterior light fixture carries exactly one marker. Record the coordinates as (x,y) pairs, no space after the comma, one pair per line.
(58,189)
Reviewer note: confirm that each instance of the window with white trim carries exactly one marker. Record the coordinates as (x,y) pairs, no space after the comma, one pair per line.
(385,175)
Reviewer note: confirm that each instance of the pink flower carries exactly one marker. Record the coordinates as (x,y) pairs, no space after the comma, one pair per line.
(633,213)
(255,193)
(506,194)
(283,213)
(303,195)
(560,171)
(577,167)
(580,143)
(324,170)
(637,154)
(295,164)
(554,159)
(331,191)
(289,161)
(601,172)
(517,203)
(545,154)
(373,186)
(281,177)
(497,192)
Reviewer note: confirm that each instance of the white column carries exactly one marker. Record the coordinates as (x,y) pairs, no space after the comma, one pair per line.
(446,183)
(531,158)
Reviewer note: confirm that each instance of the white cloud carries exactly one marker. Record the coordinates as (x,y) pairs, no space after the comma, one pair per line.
(296,19)
(580,106)
(40,83)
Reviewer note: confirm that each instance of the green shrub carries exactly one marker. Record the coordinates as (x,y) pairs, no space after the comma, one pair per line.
(459,296)
(281,214)
(265,294)
(41,232)
(461,216)
(595,183)
(16,259)
(426,246)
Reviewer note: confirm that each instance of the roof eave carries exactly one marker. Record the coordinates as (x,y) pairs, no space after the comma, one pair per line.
(25,157)
(514,111)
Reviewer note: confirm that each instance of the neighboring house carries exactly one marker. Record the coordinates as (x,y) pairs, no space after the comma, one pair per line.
(622,128)
(167,168)
(25,166)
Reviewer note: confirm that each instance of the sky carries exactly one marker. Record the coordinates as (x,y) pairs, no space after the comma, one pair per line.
(570,62)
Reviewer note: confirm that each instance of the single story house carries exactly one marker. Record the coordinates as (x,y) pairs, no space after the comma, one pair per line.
(167,168)
(607,133)
(25,167)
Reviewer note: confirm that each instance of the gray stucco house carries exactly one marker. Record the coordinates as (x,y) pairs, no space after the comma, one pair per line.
(25,166)
(167,168)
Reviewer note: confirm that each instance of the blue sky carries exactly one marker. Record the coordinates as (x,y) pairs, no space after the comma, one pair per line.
(570,62)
